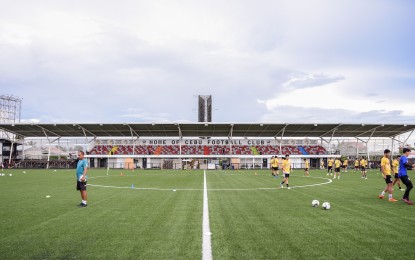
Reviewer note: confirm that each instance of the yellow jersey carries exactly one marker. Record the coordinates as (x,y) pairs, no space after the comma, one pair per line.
(307,164)
(322,163)
(386,166)
(395,165)
(286,166)
(338,163)
(330,162)
(356,163)
(363,162)
(345,163)
(274,162)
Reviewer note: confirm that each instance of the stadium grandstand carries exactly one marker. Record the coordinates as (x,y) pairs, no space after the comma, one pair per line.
(196,145)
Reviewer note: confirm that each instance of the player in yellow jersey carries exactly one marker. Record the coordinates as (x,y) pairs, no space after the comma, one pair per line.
(286,169)
(356,165)
(322,164)
(307,168)
(386,173)
(363,165)
(395,168)
(330,163)
(275,167)
(345,165)
(337,164)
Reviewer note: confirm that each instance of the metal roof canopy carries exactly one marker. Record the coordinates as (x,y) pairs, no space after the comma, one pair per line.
(207,130)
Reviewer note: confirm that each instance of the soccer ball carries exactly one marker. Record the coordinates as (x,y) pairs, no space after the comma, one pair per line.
(1,174)
(10,175)
(315,203)
(326,206)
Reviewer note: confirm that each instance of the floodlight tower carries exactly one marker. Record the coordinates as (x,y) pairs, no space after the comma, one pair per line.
(205,108)
(10,113)
(10,109)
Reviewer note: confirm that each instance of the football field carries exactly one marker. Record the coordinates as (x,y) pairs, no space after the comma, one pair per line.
(158,214)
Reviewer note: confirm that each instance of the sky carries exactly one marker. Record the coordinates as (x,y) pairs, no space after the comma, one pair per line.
(276,61)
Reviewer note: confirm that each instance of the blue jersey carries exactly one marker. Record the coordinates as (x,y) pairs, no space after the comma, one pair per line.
(80,167)
(402,168)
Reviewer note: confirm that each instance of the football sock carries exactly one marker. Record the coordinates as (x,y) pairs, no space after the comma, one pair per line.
(390,196)
(84,202)
(383,193)
(287,185)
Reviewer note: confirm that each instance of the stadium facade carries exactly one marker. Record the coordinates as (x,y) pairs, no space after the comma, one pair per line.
(197,145)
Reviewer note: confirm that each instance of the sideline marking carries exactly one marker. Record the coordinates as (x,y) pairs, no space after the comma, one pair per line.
(206,244)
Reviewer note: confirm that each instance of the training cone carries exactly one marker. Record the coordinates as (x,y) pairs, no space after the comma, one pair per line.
(256,173)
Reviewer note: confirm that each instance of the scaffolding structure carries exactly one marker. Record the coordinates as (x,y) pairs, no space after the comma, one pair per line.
(10,113)
(10,109)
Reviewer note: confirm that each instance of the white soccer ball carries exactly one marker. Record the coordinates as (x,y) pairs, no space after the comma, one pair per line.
(1,174)
(315,203)
(326,206)
(10,174)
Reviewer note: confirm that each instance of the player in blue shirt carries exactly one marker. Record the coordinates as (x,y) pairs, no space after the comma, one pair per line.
(81,177)
(404,166)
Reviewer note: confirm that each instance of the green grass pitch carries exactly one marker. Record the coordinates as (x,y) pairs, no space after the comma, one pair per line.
(158,215)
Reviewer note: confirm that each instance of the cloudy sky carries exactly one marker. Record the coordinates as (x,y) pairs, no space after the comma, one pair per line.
(319,61)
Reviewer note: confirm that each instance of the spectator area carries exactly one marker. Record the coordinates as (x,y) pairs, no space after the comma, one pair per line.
(205,150)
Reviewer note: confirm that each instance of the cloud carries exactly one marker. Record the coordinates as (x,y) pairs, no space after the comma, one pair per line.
(304,80)
(141,115)
(292,114)
(31,120)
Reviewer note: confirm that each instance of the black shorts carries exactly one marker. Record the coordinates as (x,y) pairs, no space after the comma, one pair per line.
(306,169)
(388,179)
(396,176)
(81,185)
(363,168)
(337,170)
(344,166)
(356,167)
(330,168)
(275,168)
(286,175)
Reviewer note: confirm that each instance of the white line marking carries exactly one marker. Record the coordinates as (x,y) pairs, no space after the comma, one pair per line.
(236,189)
(135,188)
(117,187)
(206,244)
